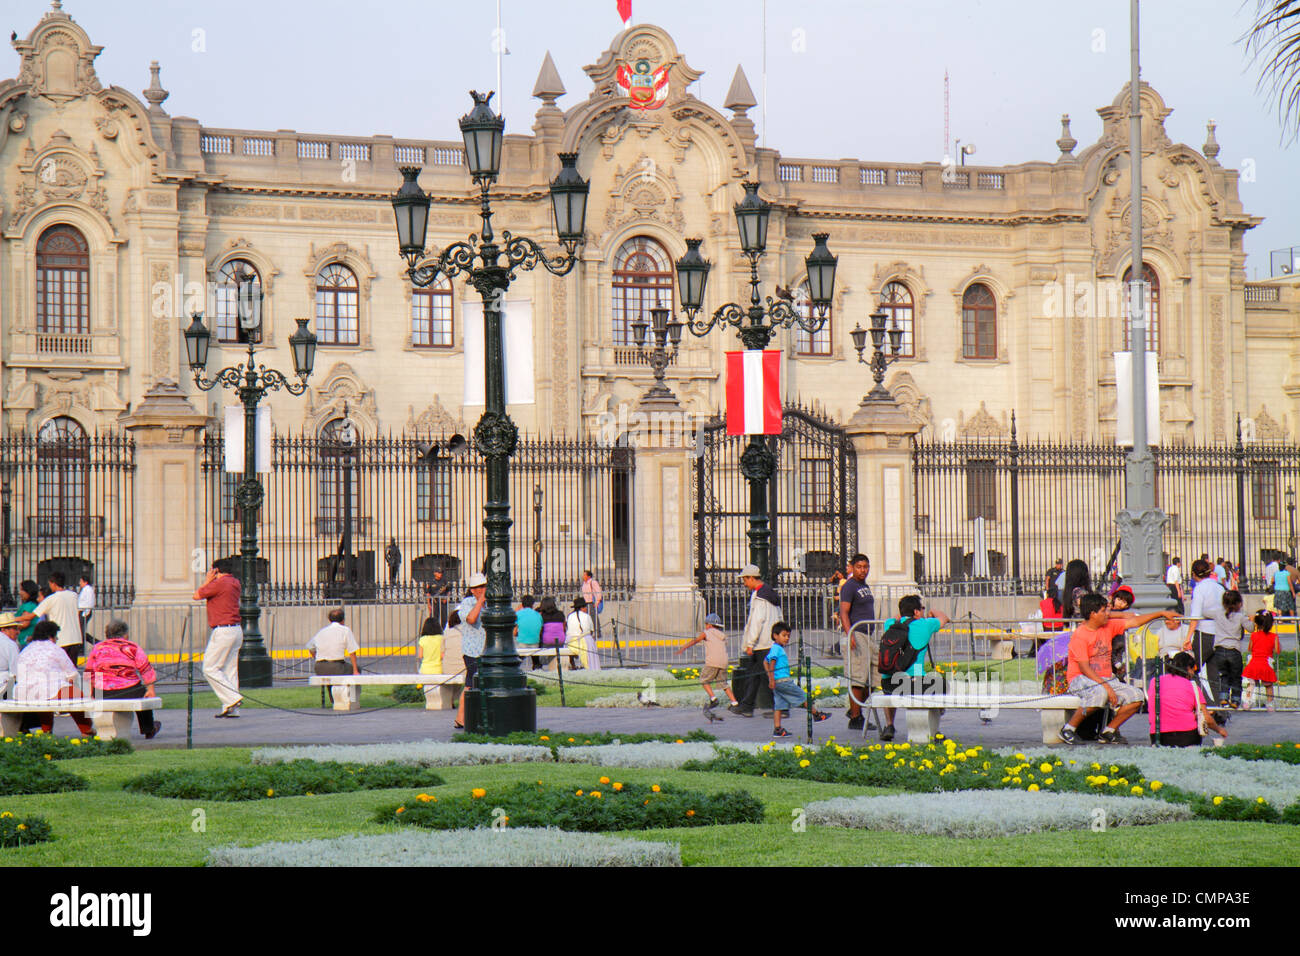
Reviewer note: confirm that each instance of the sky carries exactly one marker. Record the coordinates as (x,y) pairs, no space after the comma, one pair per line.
(845,78)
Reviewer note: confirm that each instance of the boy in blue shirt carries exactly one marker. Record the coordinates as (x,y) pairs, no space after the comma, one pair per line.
(921,628)
(785,692)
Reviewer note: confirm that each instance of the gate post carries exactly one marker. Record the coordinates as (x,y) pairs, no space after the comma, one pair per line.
(881,432)
(168,488)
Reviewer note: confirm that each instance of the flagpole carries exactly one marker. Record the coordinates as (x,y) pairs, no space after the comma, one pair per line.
(501,45)
(763,136)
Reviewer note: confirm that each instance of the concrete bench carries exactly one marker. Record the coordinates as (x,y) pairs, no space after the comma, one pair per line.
(112,718)
(529,650)
(439,689)
(923,710)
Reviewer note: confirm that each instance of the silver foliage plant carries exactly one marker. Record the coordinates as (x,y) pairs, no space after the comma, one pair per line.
(1194,769)
(482,847)
(424,753)
(984,813)
(648,756)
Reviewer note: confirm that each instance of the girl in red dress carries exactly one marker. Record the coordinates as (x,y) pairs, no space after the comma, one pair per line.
(1263,645)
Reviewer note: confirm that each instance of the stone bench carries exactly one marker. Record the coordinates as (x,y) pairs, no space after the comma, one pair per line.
(112,718)
(923,710)
(439,689)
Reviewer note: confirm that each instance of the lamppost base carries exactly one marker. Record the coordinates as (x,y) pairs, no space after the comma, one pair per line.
(500,711)
(254,668)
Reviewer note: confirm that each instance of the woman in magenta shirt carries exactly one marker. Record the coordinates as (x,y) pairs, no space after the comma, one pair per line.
(118,669)
(1182,707)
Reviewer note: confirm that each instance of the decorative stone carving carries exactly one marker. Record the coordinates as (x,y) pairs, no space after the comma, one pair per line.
(58,172)
(559,356)
(645,193)
(980,425)
(434,420)
(910,398)
(1267,427)
(57,60)
(1210,148)
(342,386)
(1218,350)
(1066,142)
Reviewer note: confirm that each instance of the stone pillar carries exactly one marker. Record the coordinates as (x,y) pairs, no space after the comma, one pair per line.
(881,431)
(168,494)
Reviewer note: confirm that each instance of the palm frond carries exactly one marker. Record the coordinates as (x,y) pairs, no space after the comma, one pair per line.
(1273,42)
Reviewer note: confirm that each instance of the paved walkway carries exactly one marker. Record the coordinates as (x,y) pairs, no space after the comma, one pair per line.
(266,726)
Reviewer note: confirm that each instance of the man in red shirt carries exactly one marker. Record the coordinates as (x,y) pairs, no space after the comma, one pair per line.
(221,657)
(1088,667)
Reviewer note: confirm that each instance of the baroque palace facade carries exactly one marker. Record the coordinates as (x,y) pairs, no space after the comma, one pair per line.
(118,218)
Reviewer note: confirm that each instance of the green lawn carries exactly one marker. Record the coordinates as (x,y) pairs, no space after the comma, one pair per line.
(105,826)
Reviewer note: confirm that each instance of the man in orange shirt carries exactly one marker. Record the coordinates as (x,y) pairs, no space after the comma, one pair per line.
(1088,668)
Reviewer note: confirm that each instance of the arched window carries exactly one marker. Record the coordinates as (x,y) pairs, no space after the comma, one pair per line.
(337,479)
(811,343)
(1152,306)
(896,301)
(336,305)
(643,280)
(62,282)
(62,487)
(227,302)
(431,316)
(979,323)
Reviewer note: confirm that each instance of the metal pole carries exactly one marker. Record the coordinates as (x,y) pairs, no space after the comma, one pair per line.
(189,701)
(6,594)
(805,662)
(347,593)
(1239,454)
(1015,508)
(254,662)
(1141,524)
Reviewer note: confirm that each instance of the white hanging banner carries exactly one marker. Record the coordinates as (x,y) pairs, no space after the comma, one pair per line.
(1124,399)
(517,336)
(234,436)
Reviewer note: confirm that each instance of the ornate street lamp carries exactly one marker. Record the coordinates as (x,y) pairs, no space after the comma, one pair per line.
(756,324)
(1290,523)
(252,382)
(879,361)
(6,504)
(501,702)
(539,498)
(666,336)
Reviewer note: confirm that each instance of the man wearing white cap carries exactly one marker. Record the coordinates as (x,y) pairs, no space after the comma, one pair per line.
(11,626)
(715,660)
(764,611)
(472,635)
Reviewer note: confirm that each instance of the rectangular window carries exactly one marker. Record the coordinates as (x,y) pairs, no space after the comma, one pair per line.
(814,343)
(431,324)
(229,482)
(814,486)
(433,494)
(981,490)
(1263,491)
(336,317)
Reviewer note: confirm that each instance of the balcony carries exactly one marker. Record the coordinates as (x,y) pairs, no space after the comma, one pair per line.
(76,344)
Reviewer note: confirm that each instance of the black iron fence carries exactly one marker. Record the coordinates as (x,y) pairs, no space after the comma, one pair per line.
(66,505)
(571,503)
(993,514)
(812,501)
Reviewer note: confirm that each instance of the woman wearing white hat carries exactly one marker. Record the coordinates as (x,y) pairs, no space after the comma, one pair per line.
(581,632)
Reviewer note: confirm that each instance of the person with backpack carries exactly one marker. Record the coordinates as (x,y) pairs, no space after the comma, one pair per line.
(902,651)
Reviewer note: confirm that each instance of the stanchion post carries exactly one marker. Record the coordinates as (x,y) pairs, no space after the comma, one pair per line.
(559,671)
(189,703)
(806,663)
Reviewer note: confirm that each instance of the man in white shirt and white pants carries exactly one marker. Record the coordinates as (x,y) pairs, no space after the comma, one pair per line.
(331,646)
(85,603)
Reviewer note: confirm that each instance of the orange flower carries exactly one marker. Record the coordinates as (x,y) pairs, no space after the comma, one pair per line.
(680,741)
(690,813)
(577,793)
(655,787)
(478,792)
(596,794)
(400,810)
(618,786)
(604,779)
(543,737)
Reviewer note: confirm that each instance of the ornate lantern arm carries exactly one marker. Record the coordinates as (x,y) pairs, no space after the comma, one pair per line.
(232,377)
(524,253)
(730,314)
(452,261)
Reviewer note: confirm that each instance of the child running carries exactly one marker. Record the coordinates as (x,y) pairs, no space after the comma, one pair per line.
(715,660)
(785,692)
(1263,645)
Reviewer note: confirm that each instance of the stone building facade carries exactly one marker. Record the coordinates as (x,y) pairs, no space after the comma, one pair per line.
(118,218)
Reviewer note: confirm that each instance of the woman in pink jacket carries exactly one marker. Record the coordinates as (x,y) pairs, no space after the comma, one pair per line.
(118,669)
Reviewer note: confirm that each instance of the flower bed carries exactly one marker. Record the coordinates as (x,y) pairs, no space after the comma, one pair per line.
(560,738)
(693,673)
(1284,753)
(35,774)
(291,779)
(424,753)
(61,748)
(941,765)
(22,832)
(1004,813)
(514,847)
(605,805)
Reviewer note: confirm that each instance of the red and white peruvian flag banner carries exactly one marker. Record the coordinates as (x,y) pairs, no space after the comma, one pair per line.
(754,392)
(625,11)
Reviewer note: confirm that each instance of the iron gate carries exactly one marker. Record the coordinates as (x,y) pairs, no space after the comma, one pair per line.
(812,501)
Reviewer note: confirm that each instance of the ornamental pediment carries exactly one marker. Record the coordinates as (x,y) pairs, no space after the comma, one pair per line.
(59,172)
(57,60)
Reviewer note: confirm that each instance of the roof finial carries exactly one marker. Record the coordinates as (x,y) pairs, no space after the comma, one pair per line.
(56,5)
(1067,142)
(1211,146)
(155,94)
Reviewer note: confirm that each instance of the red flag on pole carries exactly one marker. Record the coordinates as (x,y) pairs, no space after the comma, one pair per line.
(625,11)
(754,392)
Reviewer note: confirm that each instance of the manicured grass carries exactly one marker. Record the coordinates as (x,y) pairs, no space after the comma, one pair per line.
(105,826)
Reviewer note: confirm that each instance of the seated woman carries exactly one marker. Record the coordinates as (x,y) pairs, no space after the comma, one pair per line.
(118,669)
(430,645)
(553,627)
(1181,705)
(46,673)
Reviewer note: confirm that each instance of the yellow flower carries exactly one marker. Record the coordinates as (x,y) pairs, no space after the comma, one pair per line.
(1015,779)
(22,826)
(423,797)
(76,742)
(1096,766)
(1049,781)
(604,779)
(6,814)
(1218,800)
(478,792)
(577,793)
(47,757)
(1114,769)
(864,756)
(596,794)
(543,737)
(766,747)
(1004,779)
(798,749)
(1259,799)
(1156,785)
(1046,768)
(270,793)
(680,741)
(1021,757)
(618,786)
(803,763)
(9,740)
(654,787)
(1137,791)
(570,740)
(310,794)
(1032,788)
